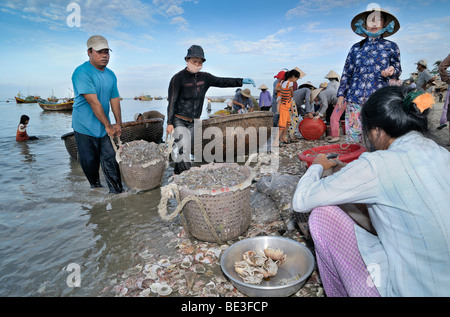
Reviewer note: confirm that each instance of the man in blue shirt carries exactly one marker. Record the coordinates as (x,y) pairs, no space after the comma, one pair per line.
(95,88)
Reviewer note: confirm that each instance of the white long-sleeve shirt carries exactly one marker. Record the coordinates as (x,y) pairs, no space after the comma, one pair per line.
(407,192)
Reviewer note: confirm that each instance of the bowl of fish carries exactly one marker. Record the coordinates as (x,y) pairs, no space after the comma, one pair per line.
(267,266)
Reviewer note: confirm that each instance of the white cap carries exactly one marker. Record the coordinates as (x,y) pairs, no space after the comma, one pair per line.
(97,42)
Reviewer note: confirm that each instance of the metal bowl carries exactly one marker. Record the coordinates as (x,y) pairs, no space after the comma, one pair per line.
(299,261)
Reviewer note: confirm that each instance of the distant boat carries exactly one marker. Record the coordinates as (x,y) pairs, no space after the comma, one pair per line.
(146,98)
(158,98)
(217,100)
(29,99)
(53,98)
(54,106)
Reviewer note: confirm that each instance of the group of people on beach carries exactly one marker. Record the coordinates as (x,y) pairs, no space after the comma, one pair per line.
(402,182)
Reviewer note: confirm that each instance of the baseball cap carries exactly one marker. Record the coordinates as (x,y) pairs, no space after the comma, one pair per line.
(98,43)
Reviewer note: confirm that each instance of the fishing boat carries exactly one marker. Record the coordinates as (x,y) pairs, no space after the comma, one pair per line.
(159,98)
(150,130)
(245,132)
(146,98)
(217,100)
(29,99)
(55,106)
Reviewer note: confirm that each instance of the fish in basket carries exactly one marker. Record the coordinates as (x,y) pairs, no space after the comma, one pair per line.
(150,130)
(213,200)
(142,164)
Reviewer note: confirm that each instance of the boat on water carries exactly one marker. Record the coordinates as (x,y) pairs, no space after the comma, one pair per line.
(217,100)
(55,106)
(238,133)
(150,130)
(146,98)
(158,98)
(29,99)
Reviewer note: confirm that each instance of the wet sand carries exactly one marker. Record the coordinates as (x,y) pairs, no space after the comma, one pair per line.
(191,268)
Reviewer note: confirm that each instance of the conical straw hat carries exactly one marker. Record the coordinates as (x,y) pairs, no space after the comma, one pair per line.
(302,74)
(332,74)
(315,93)
(263,87)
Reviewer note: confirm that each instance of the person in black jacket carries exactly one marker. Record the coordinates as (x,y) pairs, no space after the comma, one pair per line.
(187,90)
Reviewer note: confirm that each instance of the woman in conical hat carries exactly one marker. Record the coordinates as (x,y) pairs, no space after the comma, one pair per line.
(369,66)
(265,99)
(333,77)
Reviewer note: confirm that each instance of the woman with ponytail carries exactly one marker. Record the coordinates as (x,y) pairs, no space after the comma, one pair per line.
(404,183)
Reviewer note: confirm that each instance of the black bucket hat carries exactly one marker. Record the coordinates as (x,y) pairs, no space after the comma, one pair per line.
(195,51)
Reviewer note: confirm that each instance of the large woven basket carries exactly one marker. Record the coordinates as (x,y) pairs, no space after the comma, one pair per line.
(143,178)
(241,125)
(228,209)
(150,130)
(71,145)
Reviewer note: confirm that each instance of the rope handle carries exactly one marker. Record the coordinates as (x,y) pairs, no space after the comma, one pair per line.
(117,150)
(167,192)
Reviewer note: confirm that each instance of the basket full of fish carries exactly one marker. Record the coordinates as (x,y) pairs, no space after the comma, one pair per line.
(142,164)
(213,200)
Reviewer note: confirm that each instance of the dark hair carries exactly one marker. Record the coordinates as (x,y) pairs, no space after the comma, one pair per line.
(24,118)
(292,72)
(385,110)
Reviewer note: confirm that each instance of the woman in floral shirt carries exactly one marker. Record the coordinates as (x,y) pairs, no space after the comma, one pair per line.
(370,65)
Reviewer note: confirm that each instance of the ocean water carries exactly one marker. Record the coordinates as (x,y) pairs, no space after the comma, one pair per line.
(50,218)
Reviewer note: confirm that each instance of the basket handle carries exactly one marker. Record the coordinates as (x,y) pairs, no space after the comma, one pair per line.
(117,150)
(167,193)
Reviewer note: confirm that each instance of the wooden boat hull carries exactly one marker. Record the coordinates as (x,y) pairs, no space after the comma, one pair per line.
(246,133)
(20,100)
(150,130)
(66,106)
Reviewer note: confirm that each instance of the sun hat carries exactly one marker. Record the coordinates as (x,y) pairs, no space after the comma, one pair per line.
(422,62)
(246,92)
(263,87)
(372,8)
(195,51)
(315,93)
(323,85)
(302,74)
(332,74)
(97,42)
(307,85)
(280,75)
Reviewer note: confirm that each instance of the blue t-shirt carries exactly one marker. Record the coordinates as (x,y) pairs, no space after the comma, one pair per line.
(87,79)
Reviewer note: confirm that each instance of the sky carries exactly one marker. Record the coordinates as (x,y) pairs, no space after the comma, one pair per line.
(42,41)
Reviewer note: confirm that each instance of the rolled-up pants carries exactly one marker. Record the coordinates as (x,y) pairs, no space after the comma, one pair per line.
(95,152)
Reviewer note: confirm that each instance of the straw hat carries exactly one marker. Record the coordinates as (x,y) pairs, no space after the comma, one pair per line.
(307,85)
(302,74)
(323,85)
(263,87)
(315,93)
(371,8)
(332,74)
(246,92)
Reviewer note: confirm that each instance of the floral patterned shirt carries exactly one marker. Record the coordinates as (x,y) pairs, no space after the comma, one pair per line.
(361,76)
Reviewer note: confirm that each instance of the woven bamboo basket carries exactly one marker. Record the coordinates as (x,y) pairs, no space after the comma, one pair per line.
(257,119)
(143,178)
(150,130)
(216,215)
